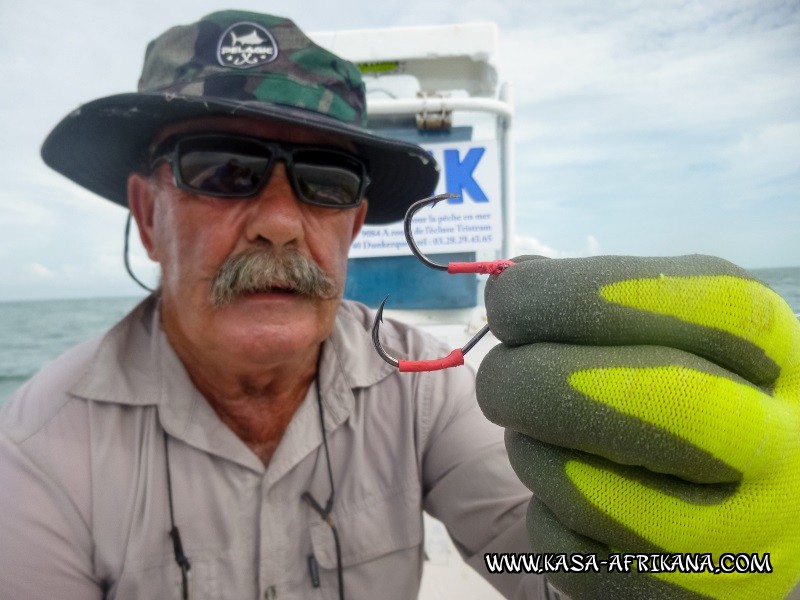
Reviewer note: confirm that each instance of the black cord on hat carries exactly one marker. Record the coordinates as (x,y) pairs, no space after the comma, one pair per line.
(125,255)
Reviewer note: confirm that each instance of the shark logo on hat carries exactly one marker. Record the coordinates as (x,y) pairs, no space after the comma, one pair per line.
(245,45)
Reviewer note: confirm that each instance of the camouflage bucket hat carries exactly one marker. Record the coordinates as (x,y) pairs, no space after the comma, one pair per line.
(245,64)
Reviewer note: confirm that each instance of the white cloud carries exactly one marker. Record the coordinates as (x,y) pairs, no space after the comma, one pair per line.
(650,68)
(770,149)
(531,245)
(592,246)
(39,271)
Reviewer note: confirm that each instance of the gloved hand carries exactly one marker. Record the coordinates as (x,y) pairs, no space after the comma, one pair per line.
(652,405)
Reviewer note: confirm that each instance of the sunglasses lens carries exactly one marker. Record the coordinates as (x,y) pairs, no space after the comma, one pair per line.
(231,168)
(328,178)
(234,167)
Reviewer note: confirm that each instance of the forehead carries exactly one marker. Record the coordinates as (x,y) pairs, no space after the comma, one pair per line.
(268,130)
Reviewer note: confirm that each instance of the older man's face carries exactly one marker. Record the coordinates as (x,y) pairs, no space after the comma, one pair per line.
(192,236)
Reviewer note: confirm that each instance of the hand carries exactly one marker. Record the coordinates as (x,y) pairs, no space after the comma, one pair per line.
(652,405)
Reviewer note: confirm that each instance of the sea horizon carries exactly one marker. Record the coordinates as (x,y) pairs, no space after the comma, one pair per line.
(142,295)
(35,331)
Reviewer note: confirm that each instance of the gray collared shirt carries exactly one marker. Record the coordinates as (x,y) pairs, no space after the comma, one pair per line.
(84,509)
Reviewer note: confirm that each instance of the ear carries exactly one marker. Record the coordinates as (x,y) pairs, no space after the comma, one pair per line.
(141,201)
(361,215)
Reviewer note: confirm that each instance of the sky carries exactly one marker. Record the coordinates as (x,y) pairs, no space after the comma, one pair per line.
(658,127)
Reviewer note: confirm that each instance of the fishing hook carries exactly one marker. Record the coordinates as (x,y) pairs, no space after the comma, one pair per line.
(494,267)
(456,357)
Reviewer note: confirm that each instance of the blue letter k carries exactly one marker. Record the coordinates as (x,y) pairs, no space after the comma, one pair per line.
(460,177)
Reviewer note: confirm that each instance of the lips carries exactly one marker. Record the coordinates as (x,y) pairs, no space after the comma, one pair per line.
(269,288)
(278,289)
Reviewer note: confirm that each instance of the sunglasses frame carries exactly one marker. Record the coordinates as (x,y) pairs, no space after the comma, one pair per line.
(169,150)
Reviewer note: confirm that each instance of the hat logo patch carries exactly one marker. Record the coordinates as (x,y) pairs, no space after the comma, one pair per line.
(246,45)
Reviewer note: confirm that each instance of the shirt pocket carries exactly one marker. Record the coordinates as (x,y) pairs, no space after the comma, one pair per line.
(372,529)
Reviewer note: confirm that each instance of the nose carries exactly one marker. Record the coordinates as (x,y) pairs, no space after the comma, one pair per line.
(275,216)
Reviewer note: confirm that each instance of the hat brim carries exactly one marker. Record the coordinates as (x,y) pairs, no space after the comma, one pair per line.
(101,143)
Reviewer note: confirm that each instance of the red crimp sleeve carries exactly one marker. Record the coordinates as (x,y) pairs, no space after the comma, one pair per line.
(454,359)
(494,267)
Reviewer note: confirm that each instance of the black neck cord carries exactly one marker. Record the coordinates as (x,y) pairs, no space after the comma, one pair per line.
(177,546)
(325,513)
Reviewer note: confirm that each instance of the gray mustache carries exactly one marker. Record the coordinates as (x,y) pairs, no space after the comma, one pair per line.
(260,271)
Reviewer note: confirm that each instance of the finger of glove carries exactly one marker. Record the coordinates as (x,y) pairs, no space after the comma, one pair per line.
(700,304)
(549,537)
(633,510)
(623,507)
(665,409)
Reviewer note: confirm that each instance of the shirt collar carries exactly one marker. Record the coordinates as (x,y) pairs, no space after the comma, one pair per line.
(135,365)
(134,356)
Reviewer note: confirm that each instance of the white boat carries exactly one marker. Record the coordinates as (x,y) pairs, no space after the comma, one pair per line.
(438,86)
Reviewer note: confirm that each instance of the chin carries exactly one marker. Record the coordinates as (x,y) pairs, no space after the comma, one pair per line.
(279,331)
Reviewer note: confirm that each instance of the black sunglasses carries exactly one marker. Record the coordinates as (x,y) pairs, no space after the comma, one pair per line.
(227,165)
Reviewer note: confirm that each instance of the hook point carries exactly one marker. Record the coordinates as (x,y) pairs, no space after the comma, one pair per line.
(446,196)
(376,339)
(379,314)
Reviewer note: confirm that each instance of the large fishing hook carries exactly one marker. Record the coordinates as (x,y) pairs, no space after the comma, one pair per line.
(482,268)
(456,357)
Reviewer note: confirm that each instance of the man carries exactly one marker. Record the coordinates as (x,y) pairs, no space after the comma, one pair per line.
(244,161)
(236,436)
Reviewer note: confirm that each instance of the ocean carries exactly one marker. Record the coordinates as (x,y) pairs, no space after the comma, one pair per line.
(34,332)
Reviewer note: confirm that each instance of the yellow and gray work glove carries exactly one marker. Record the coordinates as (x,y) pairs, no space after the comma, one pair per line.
(652,405)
